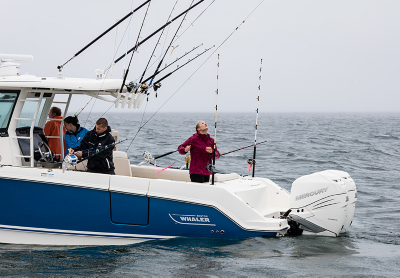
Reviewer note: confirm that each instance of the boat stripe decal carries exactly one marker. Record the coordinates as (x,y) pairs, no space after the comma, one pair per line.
(75,233)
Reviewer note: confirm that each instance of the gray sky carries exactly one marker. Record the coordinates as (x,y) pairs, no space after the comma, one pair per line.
(318,56)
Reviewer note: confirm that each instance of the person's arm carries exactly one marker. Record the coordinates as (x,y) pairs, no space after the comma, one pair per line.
(48,127)
(217,154)
(104,153)
(84,145)
(185,147)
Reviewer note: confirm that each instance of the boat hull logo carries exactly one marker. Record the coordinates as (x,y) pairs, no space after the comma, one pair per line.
(192,219)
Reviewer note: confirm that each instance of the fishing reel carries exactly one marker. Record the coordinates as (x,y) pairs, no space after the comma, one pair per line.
(251,162)
(131,86)
(156,86)
(143,88)
(148,158)
(188,159)
(69,161)
(210,167)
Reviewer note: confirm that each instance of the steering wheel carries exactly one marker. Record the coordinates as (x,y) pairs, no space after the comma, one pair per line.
(47,155)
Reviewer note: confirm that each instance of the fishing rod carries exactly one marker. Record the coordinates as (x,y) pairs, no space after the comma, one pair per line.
(179,67)
(244,148)
(156,85)
(215,126)
(71,160)
(252,162)
(127,69)
(155,32)
(171,152)
(166,51)
(105,32)
(155,47)
(181,86)
(166,66)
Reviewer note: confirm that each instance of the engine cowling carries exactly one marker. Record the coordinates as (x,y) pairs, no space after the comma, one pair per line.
(320,202)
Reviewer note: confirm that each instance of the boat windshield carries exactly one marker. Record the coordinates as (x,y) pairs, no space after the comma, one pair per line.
(8,99)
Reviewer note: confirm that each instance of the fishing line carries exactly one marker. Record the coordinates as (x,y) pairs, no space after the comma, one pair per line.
(165,53)
(140,128)
(200,66)
(107,70)
(158,30)
(104,33)
(129,32)
(144,72)
(191,24)
(161,50)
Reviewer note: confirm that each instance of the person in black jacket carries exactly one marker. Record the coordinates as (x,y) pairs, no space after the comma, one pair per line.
(94,143)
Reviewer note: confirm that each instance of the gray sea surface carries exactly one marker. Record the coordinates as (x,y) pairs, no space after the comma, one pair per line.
(367,146)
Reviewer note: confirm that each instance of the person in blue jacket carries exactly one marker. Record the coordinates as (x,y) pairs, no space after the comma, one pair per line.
(74,134)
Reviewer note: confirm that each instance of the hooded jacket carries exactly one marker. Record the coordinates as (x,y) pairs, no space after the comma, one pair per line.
(103,160)
(199,156)
(73,139)
(52,128)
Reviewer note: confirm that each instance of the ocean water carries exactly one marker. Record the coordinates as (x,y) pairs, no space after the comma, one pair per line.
(367,146)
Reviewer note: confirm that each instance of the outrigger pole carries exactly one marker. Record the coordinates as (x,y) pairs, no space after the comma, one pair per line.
(255,137)
(215,125)
(105,32)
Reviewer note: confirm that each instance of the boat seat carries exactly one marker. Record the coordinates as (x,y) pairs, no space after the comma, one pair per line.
(80,166)
(150,172)
(122,164)
(225,177)
(24,144)
(115,134)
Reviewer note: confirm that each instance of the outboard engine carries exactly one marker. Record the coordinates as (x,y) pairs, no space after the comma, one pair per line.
(323,203)
(352,197)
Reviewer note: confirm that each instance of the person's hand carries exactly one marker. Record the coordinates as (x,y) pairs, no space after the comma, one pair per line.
(187,148)
(209,149)
(70,151)
(78,153)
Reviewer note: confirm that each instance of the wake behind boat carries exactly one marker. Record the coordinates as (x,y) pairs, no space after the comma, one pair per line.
(48,202)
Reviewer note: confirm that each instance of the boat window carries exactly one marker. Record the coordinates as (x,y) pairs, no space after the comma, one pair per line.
(8,99)
(28,111)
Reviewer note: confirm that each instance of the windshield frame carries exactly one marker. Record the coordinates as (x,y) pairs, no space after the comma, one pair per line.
(4,130)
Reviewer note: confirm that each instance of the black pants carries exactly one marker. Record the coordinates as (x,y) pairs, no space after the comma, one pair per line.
(199,178)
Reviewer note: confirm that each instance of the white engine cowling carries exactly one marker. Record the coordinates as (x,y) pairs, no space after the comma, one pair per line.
(323,203)
(352,197)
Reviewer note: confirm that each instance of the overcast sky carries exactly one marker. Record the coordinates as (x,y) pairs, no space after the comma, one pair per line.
(318,56)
